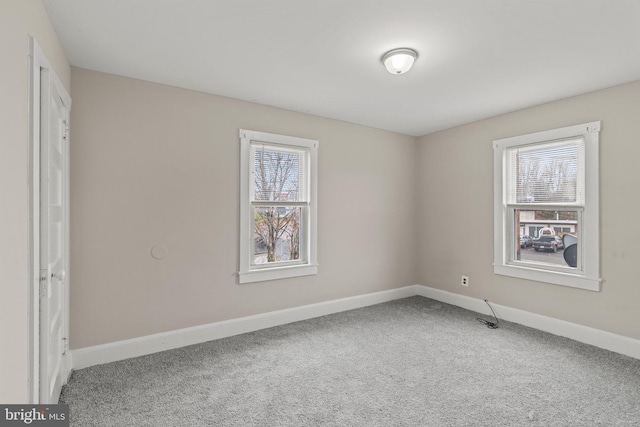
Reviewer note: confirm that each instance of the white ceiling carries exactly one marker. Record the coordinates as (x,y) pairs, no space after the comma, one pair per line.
(477,58)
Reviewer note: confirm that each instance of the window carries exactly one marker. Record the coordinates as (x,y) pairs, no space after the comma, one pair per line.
(278,233)
(546,187)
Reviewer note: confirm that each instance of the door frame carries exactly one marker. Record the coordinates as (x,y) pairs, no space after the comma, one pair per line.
(38,62)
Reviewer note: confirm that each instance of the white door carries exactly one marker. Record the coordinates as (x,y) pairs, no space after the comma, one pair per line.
(54,241)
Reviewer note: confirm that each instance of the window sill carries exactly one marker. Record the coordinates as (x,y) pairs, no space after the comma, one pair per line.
(274,273)
(553,277)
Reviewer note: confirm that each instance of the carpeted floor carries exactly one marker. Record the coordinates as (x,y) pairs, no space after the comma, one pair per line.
(411,362)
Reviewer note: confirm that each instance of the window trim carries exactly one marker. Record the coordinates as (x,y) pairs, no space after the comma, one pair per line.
(249,273)
(589,277)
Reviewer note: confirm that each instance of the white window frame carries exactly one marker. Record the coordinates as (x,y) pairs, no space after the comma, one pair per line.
(587,275)
(250,272)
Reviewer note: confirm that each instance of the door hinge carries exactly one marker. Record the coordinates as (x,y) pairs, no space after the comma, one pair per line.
(65,346)
(65,130)
(44,280)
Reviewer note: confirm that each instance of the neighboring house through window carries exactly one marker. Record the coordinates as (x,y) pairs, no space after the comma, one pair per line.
(278,232)
(546,184)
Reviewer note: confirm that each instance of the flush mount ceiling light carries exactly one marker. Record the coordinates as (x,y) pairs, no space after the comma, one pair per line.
(399,61)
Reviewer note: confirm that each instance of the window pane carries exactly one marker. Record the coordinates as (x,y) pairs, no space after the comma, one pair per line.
(540,236)
(276,234)
(279,174)
(546,173)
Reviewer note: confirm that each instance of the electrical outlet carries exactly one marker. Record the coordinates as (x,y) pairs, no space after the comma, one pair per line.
(464,281)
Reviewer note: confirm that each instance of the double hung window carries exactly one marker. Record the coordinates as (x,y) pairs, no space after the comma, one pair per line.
(278,206)
(546,213)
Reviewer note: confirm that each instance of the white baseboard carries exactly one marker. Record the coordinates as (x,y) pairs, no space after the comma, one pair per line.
(596,337)
(120,350)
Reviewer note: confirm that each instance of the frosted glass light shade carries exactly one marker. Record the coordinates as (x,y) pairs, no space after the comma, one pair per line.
(399,61)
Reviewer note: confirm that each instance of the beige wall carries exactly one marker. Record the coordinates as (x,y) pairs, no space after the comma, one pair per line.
(18,20)
(455,189)
(153,164)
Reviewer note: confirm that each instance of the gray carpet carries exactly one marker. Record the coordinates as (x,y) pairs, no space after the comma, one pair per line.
(411,362)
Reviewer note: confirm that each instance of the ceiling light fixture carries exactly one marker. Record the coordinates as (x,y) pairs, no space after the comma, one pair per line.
(399,61)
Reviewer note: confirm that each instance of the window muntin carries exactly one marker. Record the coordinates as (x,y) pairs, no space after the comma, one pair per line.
(547,183)
(278,206)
